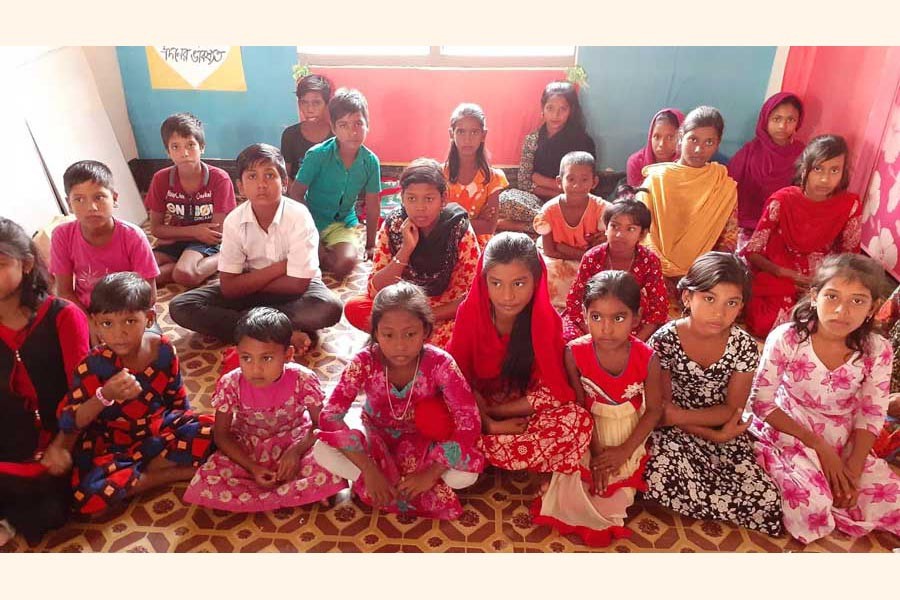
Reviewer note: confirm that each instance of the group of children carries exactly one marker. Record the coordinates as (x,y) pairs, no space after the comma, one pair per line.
(477,355)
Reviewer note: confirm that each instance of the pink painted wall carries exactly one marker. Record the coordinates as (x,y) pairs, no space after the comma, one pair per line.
(427,97)
(853,92)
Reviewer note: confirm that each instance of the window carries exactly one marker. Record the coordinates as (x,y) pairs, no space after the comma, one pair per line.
(439,56)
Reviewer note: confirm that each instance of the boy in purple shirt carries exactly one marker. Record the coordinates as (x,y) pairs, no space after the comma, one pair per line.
(188,203)
(96,243)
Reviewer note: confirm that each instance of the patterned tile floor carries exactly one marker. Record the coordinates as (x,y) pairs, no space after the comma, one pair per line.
(496,517)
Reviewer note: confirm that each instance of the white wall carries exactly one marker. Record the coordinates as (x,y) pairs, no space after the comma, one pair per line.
(105,66)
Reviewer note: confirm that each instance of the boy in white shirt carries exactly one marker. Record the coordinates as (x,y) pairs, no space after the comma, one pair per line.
(269,257)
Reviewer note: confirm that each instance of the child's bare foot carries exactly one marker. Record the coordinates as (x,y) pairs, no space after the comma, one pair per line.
(301,342)
(506,426)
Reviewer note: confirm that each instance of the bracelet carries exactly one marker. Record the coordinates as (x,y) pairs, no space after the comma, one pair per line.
(399,262)
(103,400)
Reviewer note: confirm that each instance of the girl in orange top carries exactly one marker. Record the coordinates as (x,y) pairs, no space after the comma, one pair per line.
(473,184)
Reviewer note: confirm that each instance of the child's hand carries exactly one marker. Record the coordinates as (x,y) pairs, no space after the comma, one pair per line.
(208,233)
(121,386)
(380,491)
(57,460)
(263,476)
(734,426)
(410,235)
(611,459)
(841,488)
(411,486)
(289,464)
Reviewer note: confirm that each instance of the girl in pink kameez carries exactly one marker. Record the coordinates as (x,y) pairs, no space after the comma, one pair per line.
(617,378)
(421,421)
(820,397)
(265,413)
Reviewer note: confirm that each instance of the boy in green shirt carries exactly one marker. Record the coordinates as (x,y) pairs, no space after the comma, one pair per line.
(331,178)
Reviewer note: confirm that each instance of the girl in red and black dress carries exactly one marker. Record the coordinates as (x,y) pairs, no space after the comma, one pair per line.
(42,338)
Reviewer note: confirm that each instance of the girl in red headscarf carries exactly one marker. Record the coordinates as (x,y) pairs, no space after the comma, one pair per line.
(508,343)
(765,164)
(662,144)
(800,225)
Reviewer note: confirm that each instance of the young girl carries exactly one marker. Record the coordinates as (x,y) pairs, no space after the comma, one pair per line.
(563,131)
(820,396)
(570,223)
(765,164)
(702,462)
(128,404)
(800,225)
(692,202)
(313,94)
(473,184)
(617,378)
(627,222)
(421,422)
(662,145)
(265,413)
(42,339)
(425,242)
(508,343)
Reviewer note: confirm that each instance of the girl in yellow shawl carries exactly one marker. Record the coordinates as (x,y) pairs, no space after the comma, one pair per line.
(693,201)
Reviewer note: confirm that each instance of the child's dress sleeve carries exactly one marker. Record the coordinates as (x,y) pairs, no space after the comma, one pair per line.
(227,396)
(767,223)
(874,392)
(140,254)
(460,451)
(333,430)
(591,263)
(74,336)
(656,309)
(526,164)
(175,394)
(308,392)
(768,377)
(85,381)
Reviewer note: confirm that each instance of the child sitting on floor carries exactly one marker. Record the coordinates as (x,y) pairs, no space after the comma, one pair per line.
(820,397)
(265,413)
(570,224)
(627,222)
(616,377)
(188,203)
(96,243)
(421,421)
(129,404)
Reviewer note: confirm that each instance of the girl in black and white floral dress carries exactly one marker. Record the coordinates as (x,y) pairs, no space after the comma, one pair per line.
(702,462)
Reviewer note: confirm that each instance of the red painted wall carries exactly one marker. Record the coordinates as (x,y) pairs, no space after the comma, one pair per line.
(409,121)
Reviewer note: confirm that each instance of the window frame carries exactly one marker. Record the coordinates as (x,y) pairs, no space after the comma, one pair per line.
(435,59)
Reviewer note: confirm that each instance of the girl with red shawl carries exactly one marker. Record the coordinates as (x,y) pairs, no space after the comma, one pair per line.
(800,225)
(508,343)
(662,145)
(765,164)
(42,340)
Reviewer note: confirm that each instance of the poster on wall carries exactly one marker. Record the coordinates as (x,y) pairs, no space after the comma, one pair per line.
(210,68)
(881,215)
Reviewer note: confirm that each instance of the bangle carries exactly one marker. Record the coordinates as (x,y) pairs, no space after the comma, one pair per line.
(103,400)
(399,262)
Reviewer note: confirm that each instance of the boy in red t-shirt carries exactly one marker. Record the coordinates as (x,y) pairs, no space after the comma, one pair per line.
(188,203)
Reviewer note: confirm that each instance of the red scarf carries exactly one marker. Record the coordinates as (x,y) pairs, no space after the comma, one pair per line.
(480,351)
(808,226)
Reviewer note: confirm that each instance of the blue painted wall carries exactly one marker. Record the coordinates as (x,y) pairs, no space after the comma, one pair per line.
(628,85)
(231,120)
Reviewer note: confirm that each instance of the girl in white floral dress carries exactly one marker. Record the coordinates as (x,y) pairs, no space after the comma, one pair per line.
(701,461)
(820,398)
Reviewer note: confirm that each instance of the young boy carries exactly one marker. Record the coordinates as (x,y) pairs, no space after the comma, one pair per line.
(313,94)
(268,258)
(188,203)
(96,243)
(330,179)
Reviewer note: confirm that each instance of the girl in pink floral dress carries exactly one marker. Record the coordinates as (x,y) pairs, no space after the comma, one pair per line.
(820,397)
(421,421)
(265,412)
